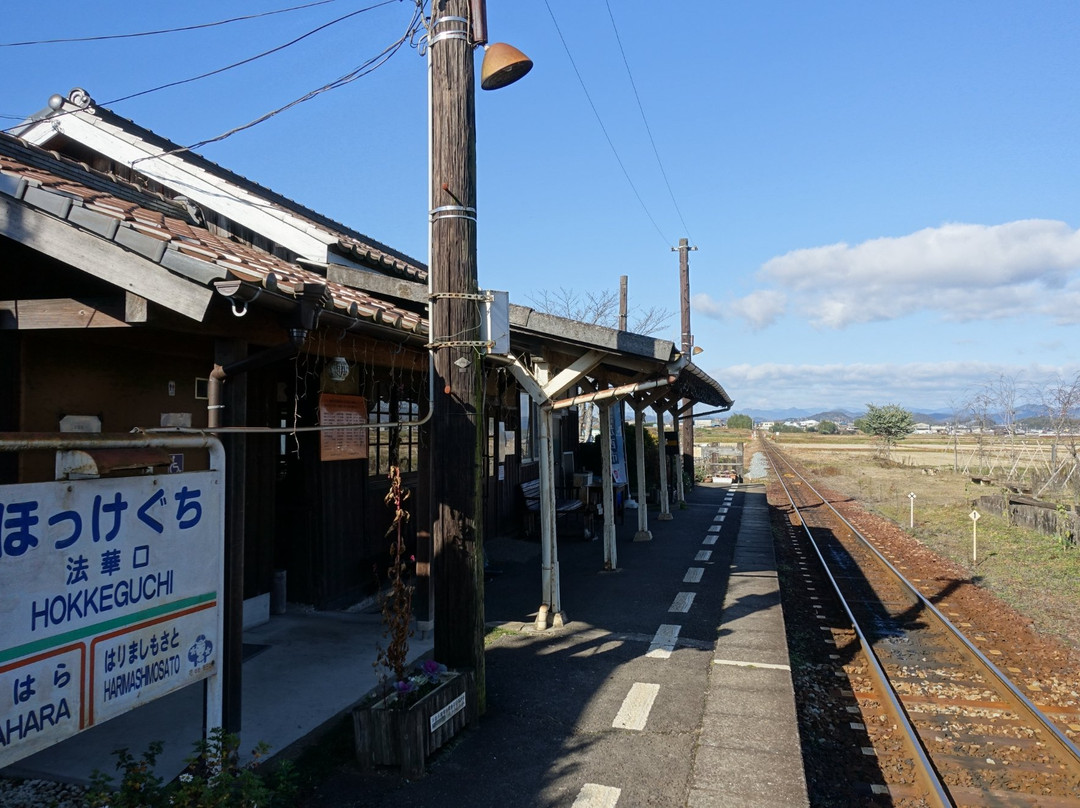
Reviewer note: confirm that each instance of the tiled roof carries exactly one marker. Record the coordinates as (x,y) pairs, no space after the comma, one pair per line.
(350,242)
(159,230)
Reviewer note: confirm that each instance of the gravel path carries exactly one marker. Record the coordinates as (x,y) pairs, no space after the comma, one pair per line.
(40,794)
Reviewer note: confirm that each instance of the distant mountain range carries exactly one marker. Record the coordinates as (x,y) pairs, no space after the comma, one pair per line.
(847,416)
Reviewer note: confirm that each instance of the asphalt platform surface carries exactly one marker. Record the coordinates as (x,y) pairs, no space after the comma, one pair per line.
(668,685)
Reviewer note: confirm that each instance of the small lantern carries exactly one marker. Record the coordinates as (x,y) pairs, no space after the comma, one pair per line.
(338,369)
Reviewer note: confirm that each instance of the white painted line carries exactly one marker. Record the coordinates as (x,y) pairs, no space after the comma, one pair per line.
(636,706)
(693,575)
(711,539)
(682,603)
(596,796)
(722,509)
(740,664)
(719,518)
(714,529)
(703,555)
(663,642)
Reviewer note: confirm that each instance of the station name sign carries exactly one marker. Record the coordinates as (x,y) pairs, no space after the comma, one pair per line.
(110,593)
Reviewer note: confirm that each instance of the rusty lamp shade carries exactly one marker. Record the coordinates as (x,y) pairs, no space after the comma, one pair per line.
(503,64)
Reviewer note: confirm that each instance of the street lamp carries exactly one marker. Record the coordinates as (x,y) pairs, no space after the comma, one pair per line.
(456,502)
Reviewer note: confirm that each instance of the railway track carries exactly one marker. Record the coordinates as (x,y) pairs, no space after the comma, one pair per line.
(947,727)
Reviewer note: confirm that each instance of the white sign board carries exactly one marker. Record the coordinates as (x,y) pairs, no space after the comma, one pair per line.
(110,594)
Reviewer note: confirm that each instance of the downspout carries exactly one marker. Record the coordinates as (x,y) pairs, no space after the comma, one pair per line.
(214,407)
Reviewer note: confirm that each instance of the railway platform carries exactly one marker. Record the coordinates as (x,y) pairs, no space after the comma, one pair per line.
(564,725)
(750,754)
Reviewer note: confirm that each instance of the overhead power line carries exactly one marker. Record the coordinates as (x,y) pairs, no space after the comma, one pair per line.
(250,58)
(603,128)
(195,27)
(645,120)
(363,70)
(368,67)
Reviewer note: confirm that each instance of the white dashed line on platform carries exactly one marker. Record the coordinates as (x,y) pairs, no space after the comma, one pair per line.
(693,575)
(711,539)
(597,796)
(682,603)
(703,555)
(663,642)
(741,664)
(634,713)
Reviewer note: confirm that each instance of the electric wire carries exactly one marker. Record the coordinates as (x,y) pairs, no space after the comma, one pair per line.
(603,128)
(364,69)
(195,27)
(645,120)
(250,59)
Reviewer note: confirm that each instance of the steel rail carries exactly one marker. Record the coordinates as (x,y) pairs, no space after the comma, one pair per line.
(1065,745)
(925,772)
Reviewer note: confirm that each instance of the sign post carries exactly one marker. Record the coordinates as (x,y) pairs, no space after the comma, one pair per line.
(112,597)
(974,515)
(911,523)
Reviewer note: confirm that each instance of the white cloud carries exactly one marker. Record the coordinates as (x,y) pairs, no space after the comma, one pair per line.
(759,309)
(704,304)
(962,271)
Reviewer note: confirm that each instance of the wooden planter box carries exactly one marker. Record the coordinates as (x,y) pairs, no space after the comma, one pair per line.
(390,736)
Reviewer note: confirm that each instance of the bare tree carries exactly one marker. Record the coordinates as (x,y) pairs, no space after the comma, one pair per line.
(981,405)
(597,308)
(1003,392)
(1060,400)
(961,411)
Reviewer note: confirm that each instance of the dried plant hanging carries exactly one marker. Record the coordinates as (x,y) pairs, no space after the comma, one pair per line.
(397,604)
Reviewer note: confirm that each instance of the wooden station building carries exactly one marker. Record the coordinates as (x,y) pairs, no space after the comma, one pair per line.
(145,287)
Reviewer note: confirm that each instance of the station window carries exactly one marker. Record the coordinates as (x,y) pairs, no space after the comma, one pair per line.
(387,408)
(528,428)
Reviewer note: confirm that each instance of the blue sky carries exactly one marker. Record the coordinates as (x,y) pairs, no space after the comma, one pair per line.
(884,197)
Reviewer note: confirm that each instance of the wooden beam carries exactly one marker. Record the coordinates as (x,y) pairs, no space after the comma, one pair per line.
(102,259)
(526,379)
(573,373)
(60,312)
(136,309)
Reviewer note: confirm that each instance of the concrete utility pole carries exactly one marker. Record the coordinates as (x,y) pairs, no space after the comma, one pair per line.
(686,422)
(456,484)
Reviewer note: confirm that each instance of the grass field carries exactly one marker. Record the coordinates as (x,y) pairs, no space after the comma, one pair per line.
(1036,574)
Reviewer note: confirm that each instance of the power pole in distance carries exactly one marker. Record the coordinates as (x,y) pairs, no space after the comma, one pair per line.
(686,422)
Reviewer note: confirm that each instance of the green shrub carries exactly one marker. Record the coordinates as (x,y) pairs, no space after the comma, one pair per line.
(214,778)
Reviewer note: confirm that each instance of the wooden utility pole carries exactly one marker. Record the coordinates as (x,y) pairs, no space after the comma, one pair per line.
(686,422)
(456,493)
(622,302)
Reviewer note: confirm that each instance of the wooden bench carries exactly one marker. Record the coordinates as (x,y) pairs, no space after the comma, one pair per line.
(564,506)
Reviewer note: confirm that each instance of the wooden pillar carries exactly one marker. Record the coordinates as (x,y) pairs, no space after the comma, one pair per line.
(10,399)
(661,439)
(551,604)
(643,532)
(234,399)
(456,450)
(611,558)
(423,606)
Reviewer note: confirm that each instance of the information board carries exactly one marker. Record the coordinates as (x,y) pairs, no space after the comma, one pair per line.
(110,595)
(342,444)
